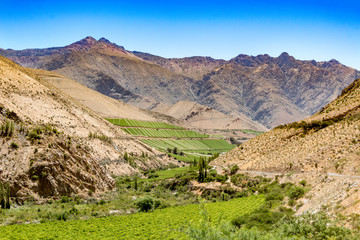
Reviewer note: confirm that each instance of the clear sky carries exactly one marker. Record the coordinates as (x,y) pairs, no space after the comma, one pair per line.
(319,30)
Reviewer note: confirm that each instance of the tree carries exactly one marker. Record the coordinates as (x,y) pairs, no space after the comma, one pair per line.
(175,150)
(202,169)
(145,204)
(136,184)
(7,204)
(2,196)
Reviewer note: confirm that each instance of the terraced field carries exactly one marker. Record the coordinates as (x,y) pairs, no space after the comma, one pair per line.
(193,145)
(164,133)
(159,224)
(144,124)
(189,144)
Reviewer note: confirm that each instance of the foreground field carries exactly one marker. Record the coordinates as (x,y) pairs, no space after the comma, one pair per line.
(160,224)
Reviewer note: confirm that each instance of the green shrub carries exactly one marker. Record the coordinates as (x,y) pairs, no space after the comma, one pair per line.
(147,203)
(7,129)
(153,175)
(65,199)
(262,220)
(14,145)
(234,169)
(296,193)
(303,182)
(275,194)
(34,135)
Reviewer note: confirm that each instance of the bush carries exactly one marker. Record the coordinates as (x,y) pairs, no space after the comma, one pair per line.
(65,199)
(14,145)
(147,203)
(234,169)
(275,194)
(303,183)
(33,135)
(296,193)
(262,220)
(153,175)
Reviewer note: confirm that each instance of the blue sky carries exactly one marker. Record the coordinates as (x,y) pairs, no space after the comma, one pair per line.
(319,30)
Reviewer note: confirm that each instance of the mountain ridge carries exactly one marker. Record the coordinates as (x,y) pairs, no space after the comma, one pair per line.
(270,91)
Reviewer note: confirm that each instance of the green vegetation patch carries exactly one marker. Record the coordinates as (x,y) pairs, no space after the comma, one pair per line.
(252,131)
(164,133)
(144,124)
(216,136)
(159,224)
(190,144)
(169,173)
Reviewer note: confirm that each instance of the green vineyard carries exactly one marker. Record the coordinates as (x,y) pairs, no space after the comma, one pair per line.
(190,144)
(160,224)
(164,133)
(144,124)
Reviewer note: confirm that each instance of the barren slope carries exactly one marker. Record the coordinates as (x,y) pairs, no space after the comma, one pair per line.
(101,104)
(200,116)
(49,152)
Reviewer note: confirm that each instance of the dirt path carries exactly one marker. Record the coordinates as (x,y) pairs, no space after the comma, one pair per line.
(279,174)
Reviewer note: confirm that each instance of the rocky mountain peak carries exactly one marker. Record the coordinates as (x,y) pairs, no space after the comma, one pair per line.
(334,61)
(83,44)
(104,40)
(87,41)
(244,60)
(287,60)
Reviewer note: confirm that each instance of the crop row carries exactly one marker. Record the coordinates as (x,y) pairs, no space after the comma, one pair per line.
(140,123)
(190,144)
(167,223)
(164,133)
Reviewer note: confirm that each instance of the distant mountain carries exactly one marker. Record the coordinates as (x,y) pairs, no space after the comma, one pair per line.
(269,91)
(323,149)
(200,116)
(193,67)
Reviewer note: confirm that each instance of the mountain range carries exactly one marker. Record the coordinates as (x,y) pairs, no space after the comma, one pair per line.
(260,91)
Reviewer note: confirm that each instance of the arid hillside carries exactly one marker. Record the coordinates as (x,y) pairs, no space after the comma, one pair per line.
(324,149)
(52,145)
(200,116)
(267,90)
(103,105)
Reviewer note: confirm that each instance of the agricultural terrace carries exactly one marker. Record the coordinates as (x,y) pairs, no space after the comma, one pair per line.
(190,149)
(189,144)
(160,224)
(164,133)
(144,124)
